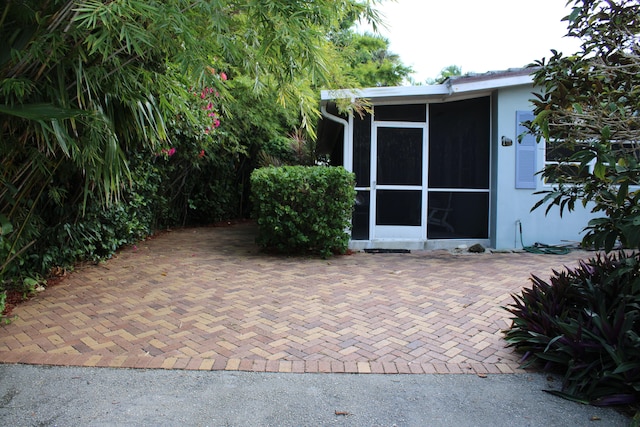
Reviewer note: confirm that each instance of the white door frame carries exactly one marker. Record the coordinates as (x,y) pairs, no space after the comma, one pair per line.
(396,232)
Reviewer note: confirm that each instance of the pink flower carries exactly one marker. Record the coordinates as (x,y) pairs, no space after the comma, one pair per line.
(223,77)
(201,155)
(171,151)
(216,123)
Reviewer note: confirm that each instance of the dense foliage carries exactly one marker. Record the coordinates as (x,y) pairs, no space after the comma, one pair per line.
(588,114)
(445,73)
(303,209)
(124,116)
(586,323)
(369,61)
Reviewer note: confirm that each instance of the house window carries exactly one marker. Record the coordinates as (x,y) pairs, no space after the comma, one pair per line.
(399,156)
(362,170)
(398,208)
(401,113)
(360,222)
(557,155)
(458,215)
(362,149)
(459,144)
(459,159)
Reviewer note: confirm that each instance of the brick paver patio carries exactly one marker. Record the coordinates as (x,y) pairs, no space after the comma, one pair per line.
(207,298)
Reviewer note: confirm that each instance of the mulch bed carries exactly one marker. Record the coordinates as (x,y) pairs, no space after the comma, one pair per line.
(16,297)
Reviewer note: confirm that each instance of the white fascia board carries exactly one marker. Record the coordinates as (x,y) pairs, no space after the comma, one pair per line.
(446,89)
(491,84)
(384,92)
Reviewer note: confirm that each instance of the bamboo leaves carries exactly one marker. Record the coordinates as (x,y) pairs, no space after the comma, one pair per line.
(85,84)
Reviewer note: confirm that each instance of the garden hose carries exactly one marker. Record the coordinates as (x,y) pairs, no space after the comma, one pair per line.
(540,248)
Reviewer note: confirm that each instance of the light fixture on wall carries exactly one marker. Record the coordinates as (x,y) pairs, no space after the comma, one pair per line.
(506,142)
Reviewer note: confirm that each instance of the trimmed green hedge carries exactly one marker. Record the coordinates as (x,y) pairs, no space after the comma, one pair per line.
(302,209)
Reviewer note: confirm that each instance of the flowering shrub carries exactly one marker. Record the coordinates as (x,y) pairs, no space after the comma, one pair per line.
(210,97)
(209,108)
(166,152)
(200,174)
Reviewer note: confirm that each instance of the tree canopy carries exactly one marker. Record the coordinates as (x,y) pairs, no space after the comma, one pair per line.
(368,59)
(589,113)
(101,100)
(84,79)
(445,73)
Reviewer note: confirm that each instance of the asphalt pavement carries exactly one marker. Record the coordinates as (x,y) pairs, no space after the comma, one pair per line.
(79,396)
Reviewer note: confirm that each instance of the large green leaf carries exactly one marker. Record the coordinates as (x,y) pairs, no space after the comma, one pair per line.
(600,170)
(5,225)
(41,112)
(568,396)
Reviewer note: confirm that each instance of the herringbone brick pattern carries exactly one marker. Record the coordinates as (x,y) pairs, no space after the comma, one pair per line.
(209,299)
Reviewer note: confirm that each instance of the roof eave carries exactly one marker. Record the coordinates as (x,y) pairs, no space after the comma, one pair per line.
(384,92)
(450,87)
(490,84)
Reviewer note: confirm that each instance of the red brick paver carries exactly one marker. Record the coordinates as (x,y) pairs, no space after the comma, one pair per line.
(207,299)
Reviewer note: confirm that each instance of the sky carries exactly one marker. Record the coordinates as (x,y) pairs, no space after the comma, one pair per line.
(477,35)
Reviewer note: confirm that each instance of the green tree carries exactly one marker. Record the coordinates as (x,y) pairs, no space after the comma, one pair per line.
(445,73)
(369,61)
(86,84)
(589,110)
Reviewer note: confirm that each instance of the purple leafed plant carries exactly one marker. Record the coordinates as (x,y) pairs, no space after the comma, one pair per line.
(585,323)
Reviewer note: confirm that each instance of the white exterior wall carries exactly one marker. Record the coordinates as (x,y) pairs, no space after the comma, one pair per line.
(513,204)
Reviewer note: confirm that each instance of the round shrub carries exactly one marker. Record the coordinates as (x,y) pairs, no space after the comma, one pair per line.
(303,209)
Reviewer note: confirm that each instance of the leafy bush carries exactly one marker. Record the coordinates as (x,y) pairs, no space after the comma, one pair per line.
(586,323)
(199,188)
(303,209)
(68,229)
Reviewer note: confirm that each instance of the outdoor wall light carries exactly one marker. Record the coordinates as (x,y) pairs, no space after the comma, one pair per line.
(506,142)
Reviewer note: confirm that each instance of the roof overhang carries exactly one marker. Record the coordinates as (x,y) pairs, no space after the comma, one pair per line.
(454,87)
